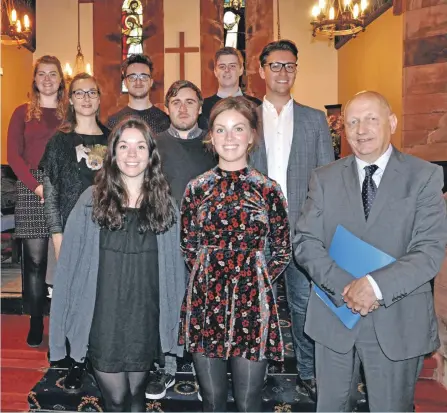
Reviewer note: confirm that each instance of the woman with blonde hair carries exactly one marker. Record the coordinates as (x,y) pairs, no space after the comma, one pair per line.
(31,127)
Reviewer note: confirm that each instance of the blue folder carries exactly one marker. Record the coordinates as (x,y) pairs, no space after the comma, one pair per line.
(358,258)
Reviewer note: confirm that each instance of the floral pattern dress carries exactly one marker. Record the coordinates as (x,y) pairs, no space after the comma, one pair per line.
(229,308)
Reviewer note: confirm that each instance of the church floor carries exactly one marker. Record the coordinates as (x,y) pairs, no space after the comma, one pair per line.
(28,383)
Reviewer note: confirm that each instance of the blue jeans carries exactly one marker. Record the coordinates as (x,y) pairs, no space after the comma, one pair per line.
(298,292)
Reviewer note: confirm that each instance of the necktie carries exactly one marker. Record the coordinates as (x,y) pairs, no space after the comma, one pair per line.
(369,189)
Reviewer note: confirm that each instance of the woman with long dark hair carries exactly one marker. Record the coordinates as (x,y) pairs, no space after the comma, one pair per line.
(112,276)
(229,313)
(31,127)
(74,154)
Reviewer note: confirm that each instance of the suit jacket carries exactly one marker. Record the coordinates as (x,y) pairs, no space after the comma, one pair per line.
(311,148)
(407,221)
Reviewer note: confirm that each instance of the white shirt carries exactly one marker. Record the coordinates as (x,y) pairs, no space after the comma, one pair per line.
(278,134)
(377,177)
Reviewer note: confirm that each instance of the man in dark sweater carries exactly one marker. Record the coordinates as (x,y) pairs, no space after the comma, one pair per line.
(137,76)
(183,157)
(228,68)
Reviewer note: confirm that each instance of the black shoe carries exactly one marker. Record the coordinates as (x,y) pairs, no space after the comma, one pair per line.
(159,382)
(35,333)
(63,364)
(73,381)
(307,387)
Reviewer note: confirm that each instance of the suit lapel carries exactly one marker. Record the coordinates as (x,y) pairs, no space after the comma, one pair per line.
(387,188)
(352,187)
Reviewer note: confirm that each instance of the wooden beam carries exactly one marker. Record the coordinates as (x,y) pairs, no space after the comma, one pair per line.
(211,40)
(398,7)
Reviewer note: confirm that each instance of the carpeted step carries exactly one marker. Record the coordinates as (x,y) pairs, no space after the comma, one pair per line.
(16,384)
(429,369)
(430,396)
(279,395)
(14,403)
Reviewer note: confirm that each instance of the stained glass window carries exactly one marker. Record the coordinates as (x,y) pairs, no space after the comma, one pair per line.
(234,27)
(131,29)
(234,24)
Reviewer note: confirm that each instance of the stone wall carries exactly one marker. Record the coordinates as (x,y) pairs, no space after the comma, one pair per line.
(425,79)
(425,111)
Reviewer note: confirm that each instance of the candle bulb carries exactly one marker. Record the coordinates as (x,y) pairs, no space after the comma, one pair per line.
(18,26)
(88,68)
(68,70)
(331,13)
(355,12)
(363,5)
(26,21)
(13,16)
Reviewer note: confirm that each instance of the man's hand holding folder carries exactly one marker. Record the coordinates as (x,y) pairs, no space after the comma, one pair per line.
(358,258)
(360,297)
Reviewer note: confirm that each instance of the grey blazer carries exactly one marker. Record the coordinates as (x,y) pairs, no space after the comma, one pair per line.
(311,147)
(408,221)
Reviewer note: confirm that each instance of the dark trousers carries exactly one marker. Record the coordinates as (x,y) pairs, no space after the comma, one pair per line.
(34,269)
(298,292)
(248,381)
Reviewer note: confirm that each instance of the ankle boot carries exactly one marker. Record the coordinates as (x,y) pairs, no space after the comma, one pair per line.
(35,334)
(73,381)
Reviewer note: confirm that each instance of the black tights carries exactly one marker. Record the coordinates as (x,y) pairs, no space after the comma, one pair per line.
(34,259)
(248,381)
(124,391)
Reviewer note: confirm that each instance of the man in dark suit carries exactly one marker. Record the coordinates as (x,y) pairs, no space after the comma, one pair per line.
(295,139)
(392,201)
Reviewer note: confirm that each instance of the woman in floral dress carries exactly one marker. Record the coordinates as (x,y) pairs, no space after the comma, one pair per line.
(229,311)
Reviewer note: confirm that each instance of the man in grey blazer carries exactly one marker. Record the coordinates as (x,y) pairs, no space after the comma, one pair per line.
(392,201)
(295,139)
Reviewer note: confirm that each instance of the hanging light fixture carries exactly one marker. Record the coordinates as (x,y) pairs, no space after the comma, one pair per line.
(15,31)
(332,18)
(79,65)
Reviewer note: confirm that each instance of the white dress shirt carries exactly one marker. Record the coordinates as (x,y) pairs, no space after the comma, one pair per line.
(377,177)
(278,135)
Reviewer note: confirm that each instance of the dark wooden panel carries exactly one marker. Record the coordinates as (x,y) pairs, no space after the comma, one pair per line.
(420,80)
(259,28)
(154,45)
(426,50)
(398,7)
(426,22)
(211,40)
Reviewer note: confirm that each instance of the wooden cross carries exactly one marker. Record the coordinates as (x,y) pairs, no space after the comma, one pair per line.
(182,50)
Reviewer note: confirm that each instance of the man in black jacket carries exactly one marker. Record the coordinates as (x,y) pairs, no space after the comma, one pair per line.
(228,68)
(183,156)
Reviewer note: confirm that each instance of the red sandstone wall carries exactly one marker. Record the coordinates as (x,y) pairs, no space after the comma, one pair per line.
(425,79)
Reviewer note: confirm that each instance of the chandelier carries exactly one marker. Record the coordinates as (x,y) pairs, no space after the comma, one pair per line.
(338,17)
(80,65)
(14,31)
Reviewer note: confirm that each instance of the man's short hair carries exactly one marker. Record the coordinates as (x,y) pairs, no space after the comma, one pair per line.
(136,58)
(229,51)
(178,86)
(287,45)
